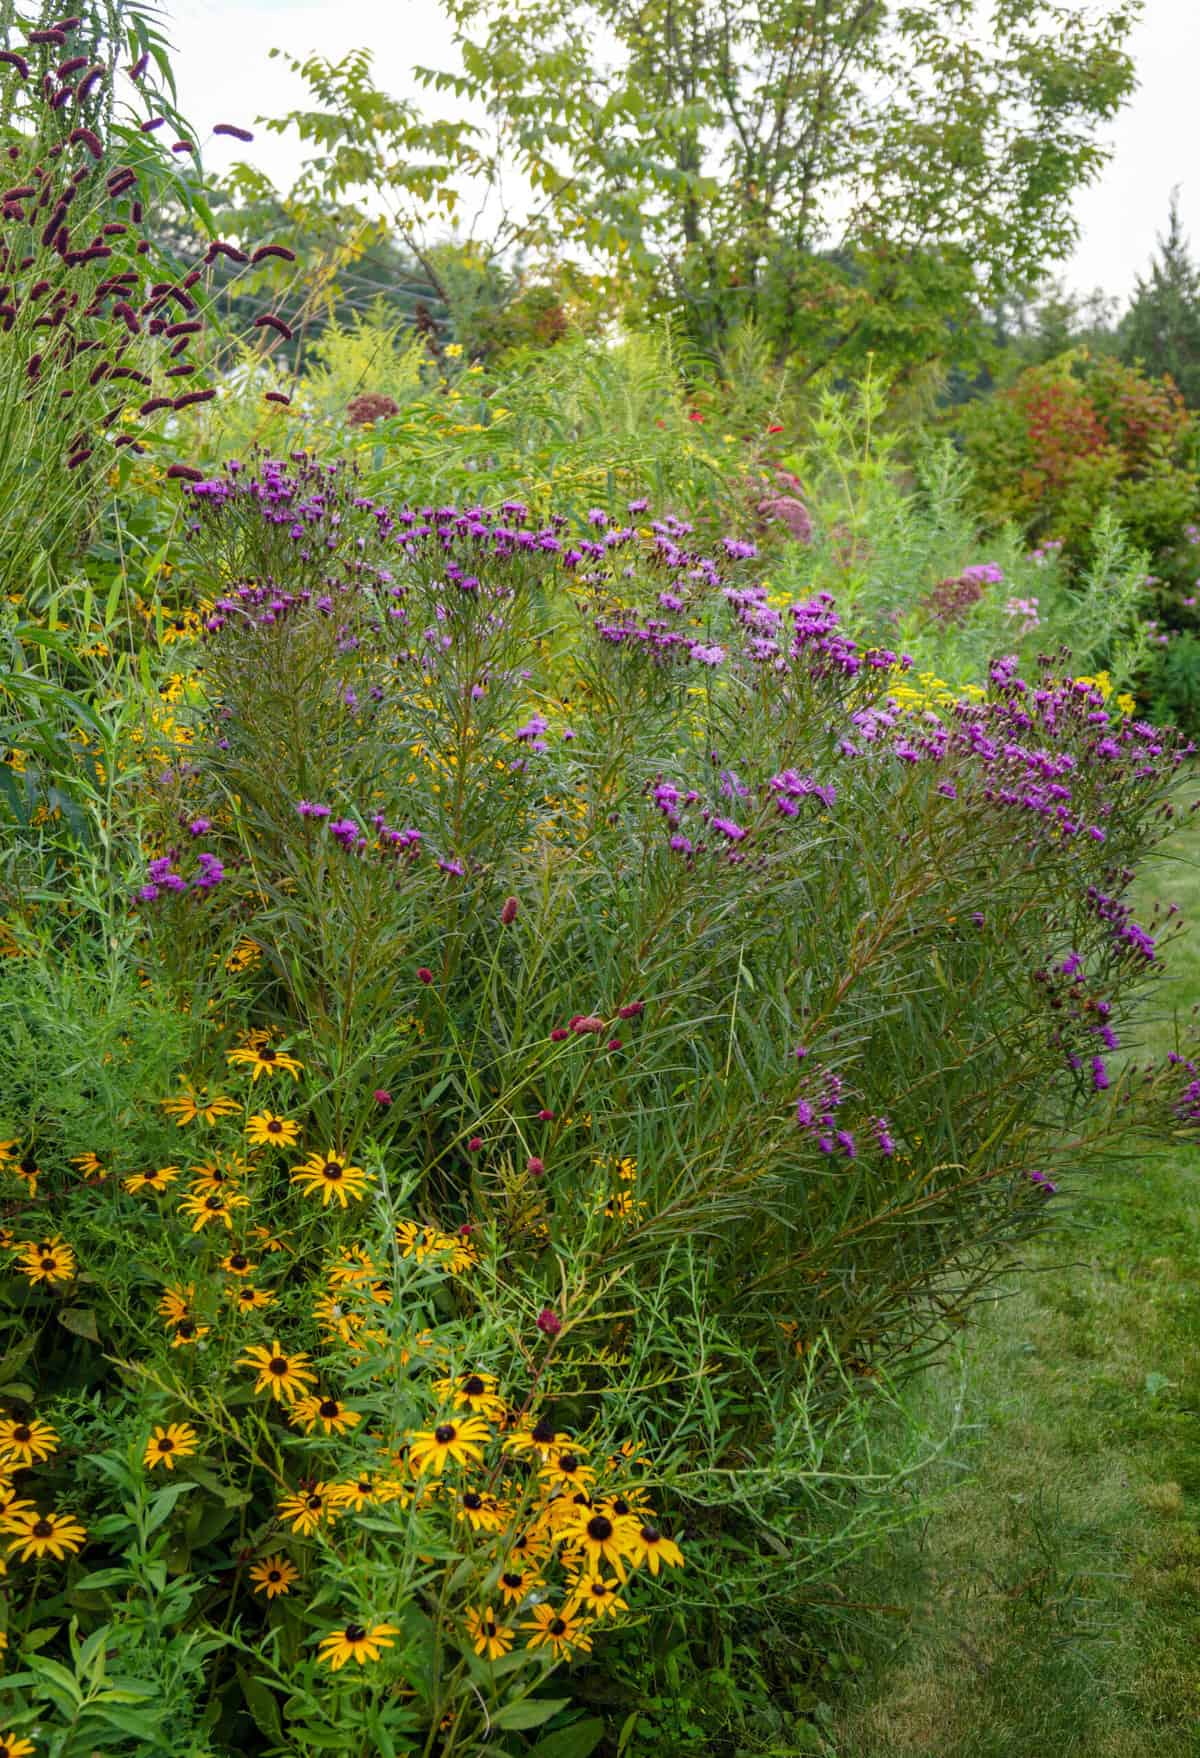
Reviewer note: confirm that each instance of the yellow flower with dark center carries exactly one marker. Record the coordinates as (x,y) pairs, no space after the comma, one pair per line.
(197,1104)
(89,1165)
(213,1208)
(274,1575)
(331,1413)
(354,1267)
(594,1597)
(417,1241)
(245,955)
(307,1508)
(262,1059)
(483,1513)
(48,1260)
(475,1392)
(266,1239)
(213,1175)
(41,1535)
(652,1550)
(600,1537)
(248,1298)
(565,1467)
(517,1581)
(336,1318)
(457,1442)
(543,1438)
(236,1263)
(332,1176)
(175,1302)
(266,1130)
(155,1182)
(357,1493)
(176,1441)
(563,1632)
(23,1443)
(13,1746)
(284,1376)
(27,1170)
(357,1642)
(488,1637)
(188,1331)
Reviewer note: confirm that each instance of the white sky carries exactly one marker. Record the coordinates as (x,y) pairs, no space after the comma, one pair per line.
(225,75)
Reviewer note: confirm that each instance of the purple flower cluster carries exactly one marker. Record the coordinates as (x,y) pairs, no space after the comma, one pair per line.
(162,879)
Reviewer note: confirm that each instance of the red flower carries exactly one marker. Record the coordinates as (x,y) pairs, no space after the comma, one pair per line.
(424,974)
(548,1322)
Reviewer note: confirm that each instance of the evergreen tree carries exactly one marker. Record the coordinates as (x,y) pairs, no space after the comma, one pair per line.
(1161,329)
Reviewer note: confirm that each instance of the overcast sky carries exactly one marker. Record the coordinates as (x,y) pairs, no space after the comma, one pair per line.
(225,75)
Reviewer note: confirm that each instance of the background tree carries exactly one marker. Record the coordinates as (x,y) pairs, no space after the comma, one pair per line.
(846,173)
(1161,329)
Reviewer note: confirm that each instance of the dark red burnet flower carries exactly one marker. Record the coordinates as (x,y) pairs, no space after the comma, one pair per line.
(382,1096)
(548,1322)
(475,1143)
(535,1167)
(424,974)
(509,912)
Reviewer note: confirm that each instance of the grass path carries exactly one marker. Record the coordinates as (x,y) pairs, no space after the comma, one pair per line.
(1055,1592)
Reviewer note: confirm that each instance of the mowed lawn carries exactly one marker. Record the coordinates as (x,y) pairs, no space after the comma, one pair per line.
(1054,1595)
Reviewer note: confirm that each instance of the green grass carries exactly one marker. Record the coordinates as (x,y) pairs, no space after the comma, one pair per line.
(1053,1597)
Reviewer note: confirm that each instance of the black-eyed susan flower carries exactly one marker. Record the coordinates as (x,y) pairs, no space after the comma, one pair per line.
(245,955)
(416,1241)
(336,1318)
(266,1130)
(266,1239)
(355,1267)
(542,1438)
(26,1168)
(284,1376)
(307,1509)
(216,1174)
(274,1575)
(652,1550)
(600,1538)
(187,1332)
(262,1059)
(198,1105)
(357,1493)
(563,1632)
(528,1548)
(517,1582)
(154,1182)
(330,1413)
(41,1535)
(236,1263)
(213,1209)
(457,1442)
(487,1635)
(331,1176)
(47,1260)
(90,1165)
(247,1298)
(357,1642)
(566,1468)
(13,1746)
(483,1513)
(594,1597)
(23,1443)
(176,1441)
(175,1301)
(475,1392)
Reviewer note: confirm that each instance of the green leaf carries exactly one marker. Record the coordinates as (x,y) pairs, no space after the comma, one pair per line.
(163,1504)
(576,1741)
(262,1705)
(81,1320)
(529,1712)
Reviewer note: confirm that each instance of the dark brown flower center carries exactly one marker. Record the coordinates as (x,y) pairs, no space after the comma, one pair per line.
(355,1633)
(274,1575)
(41,1529)
(330,1407)
(472,1500)
(444,1433)
(278,1365)
(49,1263)
(543,1434)
(332,1169)
(620,1505)
(22,1434)
(473,1386)
(166,1444)
(275,1126)
(29,1167)
(266,1054)
(513,1581)
(600,1528)
(214,1202)
(651,1535)
(238,1261)
(313,1502)
(557,1627)
(568,1462)
(185,1328)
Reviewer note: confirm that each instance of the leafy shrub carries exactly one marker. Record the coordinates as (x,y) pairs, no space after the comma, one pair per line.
(616,1035)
